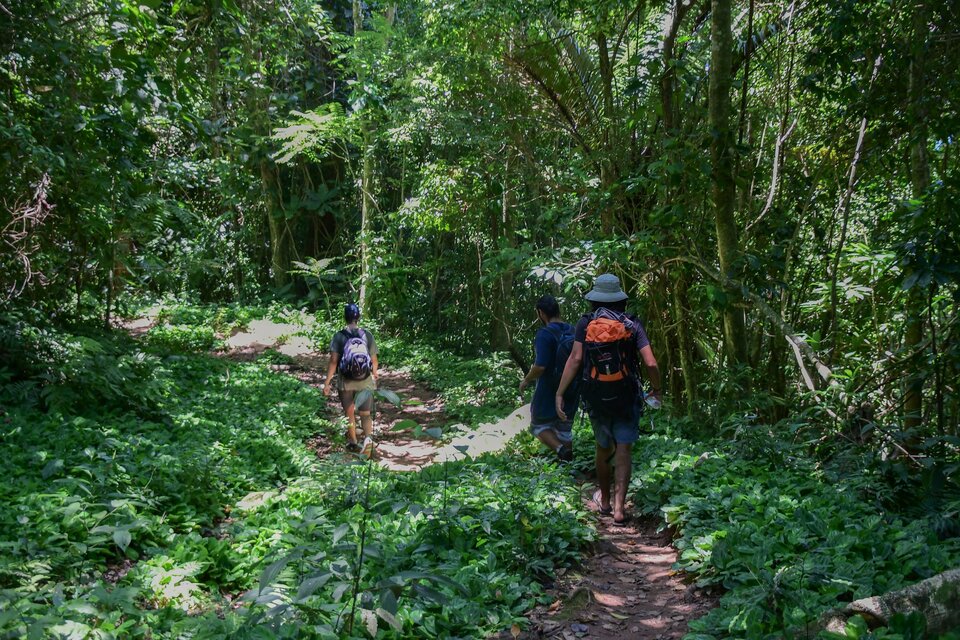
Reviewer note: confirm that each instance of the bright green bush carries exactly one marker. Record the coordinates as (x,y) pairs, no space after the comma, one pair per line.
(181,338)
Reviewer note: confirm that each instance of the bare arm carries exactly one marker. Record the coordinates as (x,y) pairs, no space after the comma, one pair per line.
(535,372)
(570,371)
(331,369)
(376,367)
(653,371)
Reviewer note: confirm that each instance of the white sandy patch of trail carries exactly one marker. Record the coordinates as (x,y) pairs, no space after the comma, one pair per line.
(399,451)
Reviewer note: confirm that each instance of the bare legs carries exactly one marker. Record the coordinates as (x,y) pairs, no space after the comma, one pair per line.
(549,438)
(606,473)
(366,421)
(351,412)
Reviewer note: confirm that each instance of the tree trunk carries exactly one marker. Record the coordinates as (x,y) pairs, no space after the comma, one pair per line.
(937,598)
(724,185)
(670,29)
(279,253)
(682,319)
(503,284)
(366,210)
(920,179)
(366,180)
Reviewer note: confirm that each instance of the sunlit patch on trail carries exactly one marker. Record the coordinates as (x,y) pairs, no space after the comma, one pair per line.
(264,334)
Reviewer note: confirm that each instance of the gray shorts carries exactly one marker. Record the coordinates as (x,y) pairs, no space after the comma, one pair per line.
(563,428)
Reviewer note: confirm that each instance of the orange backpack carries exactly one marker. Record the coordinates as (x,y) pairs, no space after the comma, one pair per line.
(611,381)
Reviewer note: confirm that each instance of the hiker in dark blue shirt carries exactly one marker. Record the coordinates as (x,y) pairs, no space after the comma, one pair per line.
(552,346)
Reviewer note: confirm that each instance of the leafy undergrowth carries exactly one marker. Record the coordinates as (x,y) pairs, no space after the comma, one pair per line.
(451,552)
(158,494)
(787,538)
(183,327)
(474,390)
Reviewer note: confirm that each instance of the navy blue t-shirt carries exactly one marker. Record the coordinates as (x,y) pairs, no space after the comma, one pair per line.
(544,407)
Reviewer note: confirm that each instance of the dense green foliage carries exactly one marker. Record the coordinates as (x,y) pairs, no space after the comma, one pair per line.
(153,518)
(786,537)
(776,184)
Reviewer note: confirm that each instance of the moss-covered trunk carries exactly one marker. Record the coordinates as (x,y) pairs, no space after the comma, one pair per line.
(724,186)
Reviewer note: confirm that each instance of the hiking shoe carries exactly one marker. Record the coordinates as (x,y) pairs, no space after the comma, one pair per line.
(565,453)
(353,447)
(368,447)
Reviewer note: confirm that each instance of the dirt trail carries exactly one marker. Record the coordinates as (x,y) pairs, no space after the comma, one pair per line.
(625,589)
(398,450)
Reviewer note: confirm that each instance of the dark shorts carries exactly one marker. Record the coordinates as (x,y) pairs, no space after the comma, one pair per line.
(617,428)
(563,428)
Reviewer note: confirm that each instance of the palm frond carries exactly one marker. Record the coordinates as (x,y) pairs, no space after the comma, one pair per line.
(313,132)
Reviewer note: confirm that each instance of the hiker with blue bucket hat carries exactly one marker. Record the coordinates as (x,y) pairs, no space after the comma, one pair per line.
(609,345)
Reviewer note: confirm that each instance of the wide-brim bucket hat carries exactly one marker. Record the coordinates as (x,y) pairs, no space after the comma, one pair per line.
(606,288)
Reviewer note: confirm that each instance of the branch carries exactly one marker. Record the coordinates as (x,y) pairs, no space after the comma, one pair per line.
(769,30)
(626,26)
(775,178)
(555,99)
(799,345)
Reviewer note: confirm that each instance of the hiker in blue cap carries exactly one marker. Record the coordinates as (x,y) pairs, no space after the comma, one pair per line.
(353,355)
(608,346)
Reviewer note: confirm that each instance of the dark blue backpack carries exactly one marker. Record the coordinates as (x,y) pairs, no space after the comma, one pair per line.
(564,338)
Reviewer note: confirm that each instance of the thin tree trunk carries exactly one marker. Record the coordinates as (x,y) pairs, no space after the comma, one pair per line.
(669,77)
(279,256)
(845,216)
(609,164)
(366,179)
(503,285)
(366,210)
(920,179)
(682,319)
(724,185)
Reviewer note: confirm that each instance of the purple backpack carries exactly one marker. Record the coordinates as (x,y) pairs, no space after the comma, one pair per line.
(355,362)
